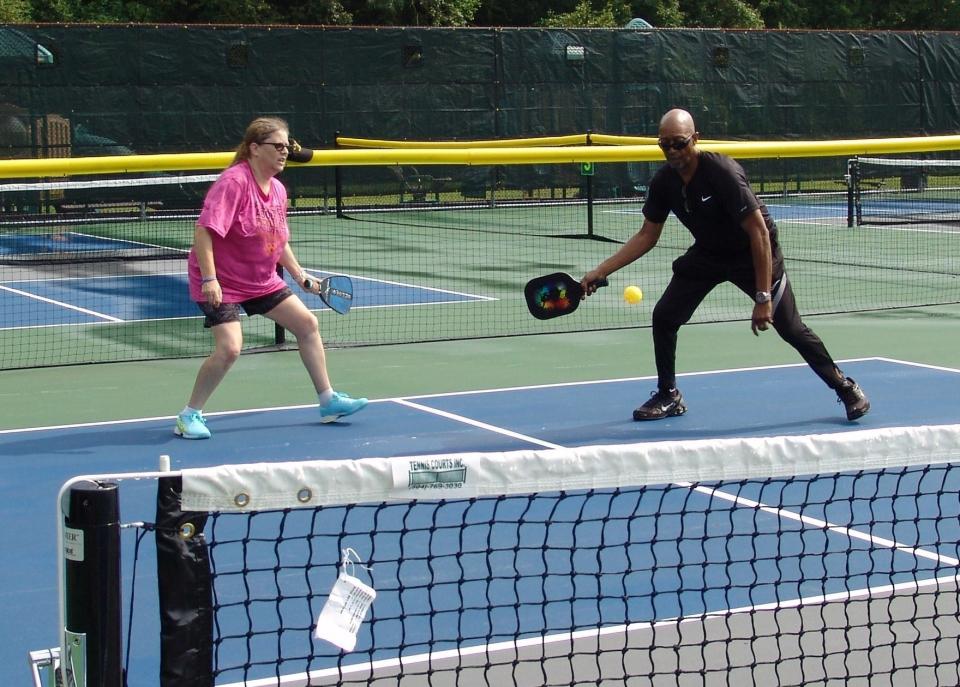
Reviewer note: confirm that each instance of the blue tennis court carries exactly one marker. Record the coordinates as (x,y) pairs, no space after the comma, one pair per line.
(759,556)
(164,295)
(831,208)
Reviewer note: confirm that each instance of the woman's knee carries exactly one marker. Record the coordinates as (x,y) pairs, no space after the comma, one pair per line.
(227,348)
(228,352)
(306,327)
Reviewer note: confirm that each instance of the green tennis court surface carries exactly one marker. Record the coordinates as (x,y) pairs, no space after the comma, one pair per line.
(428,274)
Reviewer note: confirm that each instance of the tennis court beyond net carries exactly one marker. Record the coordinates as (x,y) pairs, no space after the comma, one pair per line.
(777,560)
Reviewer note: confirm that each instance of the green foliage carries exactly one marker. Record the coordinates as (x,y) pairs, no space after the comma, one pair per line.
(14,11)
(659,12)
(611,14)
(743,14)
(727,14)
(449,12)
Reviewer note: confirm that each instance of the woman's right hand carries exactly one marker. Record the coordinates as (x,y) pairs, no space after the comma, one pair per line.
(211,290)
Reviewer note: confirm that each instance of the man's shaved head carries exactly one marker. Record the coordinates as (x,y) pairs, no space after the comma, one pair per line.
(677,122)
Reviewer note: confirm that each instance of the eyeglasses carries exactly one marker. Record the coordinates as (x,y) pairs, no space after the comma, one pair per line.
(279,146)
(667,144)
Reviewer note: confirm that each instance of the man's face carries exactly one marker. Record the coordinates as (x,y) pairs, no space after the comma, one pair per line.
(679,145)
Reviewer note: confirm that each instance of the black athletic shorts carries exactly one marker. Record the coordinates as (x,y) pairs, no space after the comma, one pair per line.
(230,312)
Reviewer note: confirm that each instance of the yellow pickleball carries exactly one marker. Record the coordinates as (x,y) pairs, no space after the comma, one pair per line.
(632,295)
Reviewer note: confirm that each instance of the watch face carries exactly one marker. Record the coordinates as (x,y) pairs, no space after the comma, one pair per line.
(762,297)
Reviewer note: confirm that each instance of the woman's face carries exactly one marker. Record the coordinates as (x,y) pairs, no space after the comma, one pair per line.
(270,153)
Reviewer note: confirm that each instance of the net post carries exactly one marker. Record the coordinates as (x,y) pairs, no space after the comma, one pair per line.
(91,654)
(185,590)
(589,185)
(338,180)
(848,179)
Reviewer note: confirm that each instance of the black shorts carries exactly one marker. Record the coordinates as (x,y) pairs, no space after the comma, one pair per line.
(230,312)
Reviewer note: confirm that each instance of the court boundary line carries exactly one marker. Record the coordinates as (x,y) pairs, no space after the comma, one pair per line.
(302,406)
(464,297)
(711,492)
(866,592)
(374,668)
(68,306)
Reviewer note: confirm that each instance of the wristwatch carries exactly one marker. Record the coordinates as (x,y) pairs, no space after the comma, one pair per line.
(762,297)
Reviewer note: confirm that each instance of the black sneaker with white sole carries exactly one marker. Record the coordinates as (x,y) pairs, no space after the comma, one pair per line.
(853,399)
(661,404)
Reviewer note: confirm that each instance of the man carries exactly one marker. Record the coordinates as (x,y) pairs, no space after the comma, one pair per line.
(735,240)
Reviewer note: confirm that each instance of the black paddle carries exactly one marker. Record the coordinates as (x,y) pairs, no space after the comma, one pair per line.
(553,295)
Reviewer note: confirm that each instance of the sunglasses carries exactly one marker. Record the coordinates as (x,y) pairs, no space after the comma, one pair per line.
(666,144)
(279,146)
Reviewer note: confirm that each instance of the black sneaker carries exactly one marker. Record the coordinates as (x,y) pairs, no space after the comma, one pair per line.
(661,404)
(854,400)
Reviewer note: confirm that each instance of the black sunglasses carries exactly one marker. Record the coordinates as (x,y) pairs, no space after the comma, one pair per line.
(666,144)
(279,146)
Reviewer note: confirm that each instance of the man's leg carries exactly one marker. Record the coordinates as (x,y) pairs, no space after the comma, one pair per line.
(790,326)
(676,306)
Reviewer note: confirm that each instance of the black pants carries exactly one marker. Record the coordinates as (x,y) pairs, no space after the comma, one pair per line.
(694,276)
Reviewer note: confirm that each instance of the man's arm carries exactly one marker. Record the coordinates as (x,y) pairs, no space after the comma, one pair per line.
(637,246)
(761,253)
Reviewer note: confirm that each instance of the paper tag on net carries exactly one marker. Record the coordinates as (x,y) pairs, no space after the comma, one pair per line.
(345,609)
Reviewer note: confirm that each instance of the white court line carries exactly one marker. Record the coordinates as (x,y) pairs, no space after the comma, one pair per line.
(412,286)
(939,368)
(470,296)
(529,387)
(477,423)
(51,301)
(783,513)
(816,523)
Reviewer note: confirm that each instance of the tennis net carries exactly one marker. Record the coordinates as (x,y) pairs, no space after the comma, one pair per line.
(95,271)
(780,560)
(903,191)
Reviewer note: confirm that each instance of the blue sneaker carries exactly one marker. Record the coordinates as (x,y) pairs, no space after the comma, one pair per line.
(341,405)
(191,426)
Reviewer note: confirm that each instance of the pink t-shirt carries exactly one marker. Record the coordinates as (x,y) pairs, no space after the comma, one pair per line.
(249,231)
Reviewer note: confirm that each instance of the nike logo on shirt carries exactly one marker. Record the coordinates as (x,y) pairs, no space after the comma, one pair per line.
(704,199)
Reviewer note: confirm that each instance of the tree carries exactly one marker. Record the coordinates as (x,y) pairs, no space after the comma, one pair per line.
(728,14)
(611,14)
(414,12)
(14,11)
(665,13)
(449,12)
(744,14)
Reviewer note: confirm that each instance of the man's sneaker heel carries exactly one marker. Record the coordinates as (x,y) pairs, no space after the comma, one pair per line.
(853,399)
(661,404)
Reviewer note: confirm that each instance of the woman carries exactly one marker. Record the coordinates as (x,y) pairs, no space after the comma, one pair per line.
(240,238)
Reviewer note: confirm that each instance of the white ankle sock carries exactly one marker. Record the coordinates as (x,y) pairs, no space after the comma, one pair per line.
(325,396)
(187,410)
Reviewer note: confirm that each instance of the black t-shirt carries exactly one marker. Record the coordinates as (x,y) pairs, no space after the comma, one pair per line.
(711,206)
